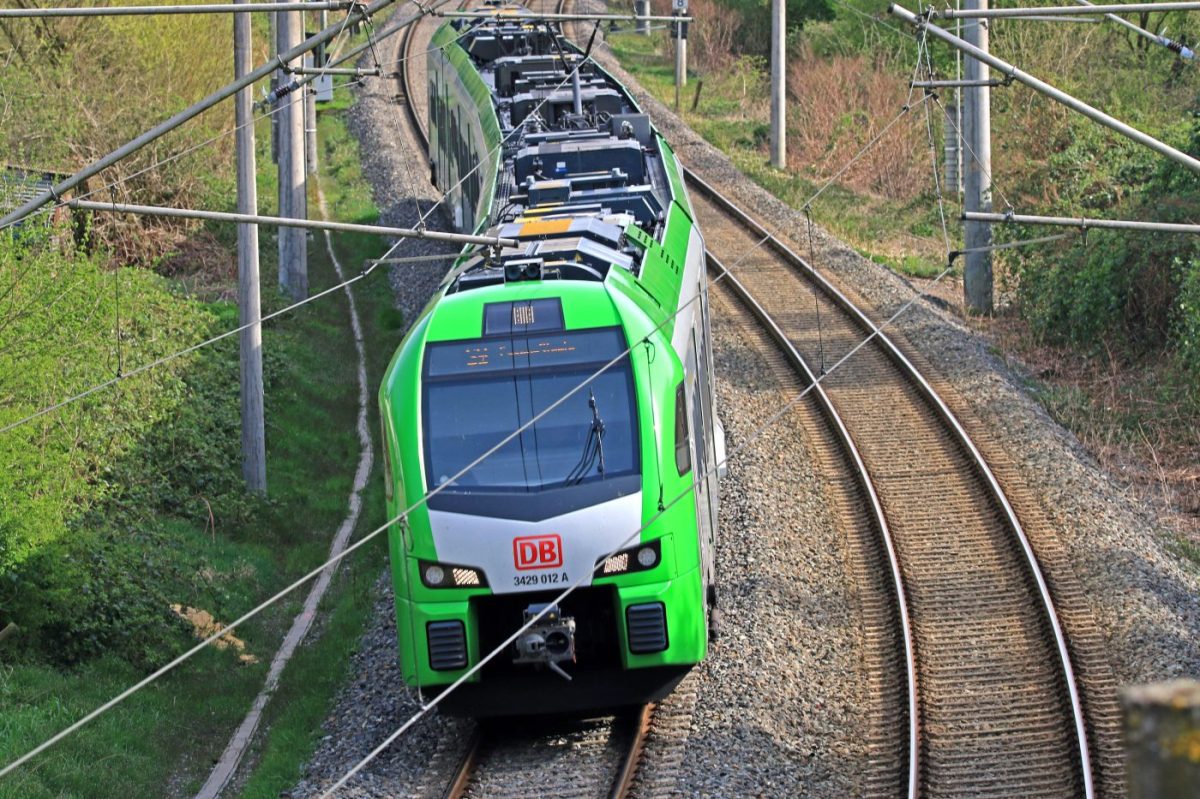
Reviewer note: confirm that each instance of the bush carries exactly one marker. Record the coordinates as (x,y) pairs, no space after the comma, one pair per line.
(60,336)
(1129,291)
(843,102)
(714,35)
(93,594)
(1186,327)
(75,89)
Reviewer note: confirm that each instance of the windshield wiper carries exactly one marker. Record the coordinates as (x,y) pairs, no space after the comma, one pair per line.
(590,453)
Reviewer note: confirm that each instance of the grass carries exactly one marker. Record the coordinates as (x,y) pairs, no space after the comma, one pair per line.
(164,739)
(1135,415)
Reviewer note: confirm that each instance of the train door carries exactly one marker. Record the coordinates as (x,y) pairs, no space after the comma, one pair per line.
(696,383)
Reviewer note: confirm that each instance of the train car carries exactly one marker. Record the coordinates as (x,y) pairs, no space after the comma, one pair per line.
(608,271)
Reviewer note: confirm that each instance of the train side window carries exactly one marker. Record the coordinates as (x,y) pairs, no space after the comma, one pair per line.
(683,453)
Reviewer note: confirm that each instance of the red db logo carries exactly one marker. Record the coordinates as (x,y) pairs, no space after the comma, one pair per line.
(537,552)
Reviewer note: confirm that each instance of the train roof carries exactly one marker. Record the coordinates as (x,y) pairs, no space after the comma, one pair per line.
(587,186)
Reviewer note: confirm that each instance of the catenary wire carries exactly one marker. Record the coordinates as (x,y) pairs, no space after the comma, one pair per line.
(383,35)
(937,182)
(187,350)
(865,15)
(353,547)
(750,439)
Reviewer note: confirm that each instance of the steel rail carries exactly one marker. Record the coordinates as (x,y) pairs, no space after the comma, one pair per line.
(793,356)
(457,787)
(964,440)
(638,721)
(405,76)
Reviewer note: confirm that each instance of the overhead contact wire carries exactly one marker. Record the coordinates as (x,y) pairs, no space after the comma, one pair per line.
(751,438)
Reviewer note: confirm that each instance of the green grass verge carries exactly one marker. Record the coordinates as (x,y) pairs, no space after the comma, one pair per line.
(312,679)
(175,527)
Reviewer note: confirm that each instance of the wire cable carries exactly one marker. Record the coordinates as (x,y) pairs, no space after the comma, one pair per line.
(59,202)
(750,439)
(353,547)
(187,350)
(401,516)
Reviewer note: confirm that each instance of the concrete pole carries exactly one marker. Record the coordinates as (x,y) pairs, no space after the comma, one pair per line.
(293,243)
(310,124)
(977,132)
(273,36)
(778,84)
(680,70)
(254,448)
(642,9)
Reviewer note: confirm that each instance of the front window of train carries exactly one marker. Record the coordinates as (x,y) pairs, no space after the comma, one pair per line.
(478,392)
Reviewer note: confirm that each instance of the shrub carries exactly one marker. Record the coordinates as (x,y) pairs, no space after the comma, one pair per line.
(1186,326)
(840,103)
(1127,290)
(70,95)
(58,336)
(714,35)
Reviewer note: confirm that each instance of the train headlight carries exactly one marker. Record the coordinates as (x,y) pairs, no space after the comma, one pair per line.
(434,574)
(634,559)
(446,575)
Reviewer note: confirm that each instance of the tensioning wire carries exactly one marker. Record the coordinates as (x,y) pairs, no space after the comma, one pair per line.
(167,358)
(750,439)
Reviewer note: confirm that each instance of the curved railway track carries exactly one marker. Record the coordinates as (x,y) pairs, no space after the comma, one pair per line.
(974,689)
(408,90)
(991,706)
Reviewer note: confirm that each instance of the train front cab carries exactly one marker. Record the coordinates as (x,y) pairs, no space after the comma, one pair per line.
(640,624)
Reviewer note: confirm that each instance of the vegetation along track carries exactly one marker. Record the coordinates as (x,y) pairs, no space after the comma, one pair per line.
(586,759)
(997,709)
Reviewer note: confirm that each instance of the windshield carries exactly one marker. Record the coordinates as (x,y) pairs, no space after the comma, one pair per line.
(478,392)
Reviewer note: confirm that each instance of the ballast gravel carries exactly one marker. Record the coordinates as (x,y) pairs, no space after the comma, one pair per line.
(776,710)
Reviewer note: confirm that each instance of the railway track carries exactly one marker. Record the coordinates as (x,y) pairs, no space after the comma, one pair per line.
(411,44)
(991,705)
(974,690)
(586,759)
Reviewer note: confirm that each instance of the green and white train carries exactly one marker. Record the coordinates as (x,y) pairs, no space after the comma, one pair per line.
(609,271)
